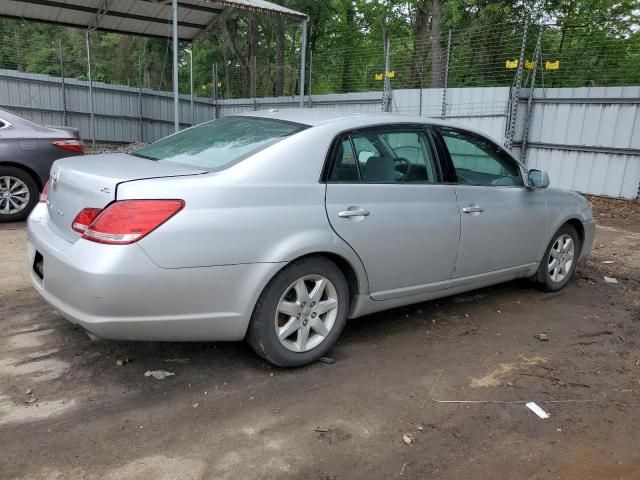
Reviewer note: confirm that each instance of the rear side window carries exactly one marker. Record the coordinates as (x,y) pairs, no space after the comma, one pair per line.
(385,156)
(217,144)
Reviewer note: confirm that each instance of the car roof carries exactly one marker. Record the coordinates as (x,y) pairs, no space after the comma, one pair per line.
(320,116)
(351,120)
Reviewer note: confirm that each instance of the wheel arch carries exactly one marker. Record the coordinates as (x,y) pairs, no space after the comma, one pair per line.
(354,274)
(577,224)
(347,269)
(574,221)
(32,173)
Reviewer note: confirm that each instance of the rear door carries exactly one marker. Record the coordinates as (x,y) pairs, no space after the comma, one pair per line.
(386,199)
(503,222)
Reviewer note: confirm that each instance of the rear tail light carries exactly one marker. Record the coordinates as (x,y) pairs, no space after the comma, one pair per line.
(84,219)
(128,221)
(45,193)
(71,145)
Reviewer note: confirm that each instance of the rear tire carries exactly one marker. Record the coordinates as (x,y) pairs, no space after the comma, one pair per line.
(559,261)
(300,314)
(18,194)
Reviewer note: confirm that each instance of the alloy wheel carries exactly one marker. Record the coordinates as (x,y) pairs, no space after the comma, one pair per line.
(306,313)
(561,258)
(14,195)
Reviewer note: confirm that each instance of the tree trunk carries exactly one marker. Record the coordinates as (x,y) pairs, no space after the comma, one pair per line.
(438,59)
(279,84)
(420,29)
(253,53)
(347,55)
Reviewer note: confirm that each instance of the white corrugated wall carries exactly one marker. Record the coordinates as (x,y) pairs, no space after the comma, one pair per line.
(588,139)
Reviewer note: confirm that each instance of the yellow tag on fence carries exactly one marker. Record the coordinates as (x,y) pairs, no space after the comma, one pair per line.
(511,64)
(391,73)
(552,65)
(529,64)
(378,76)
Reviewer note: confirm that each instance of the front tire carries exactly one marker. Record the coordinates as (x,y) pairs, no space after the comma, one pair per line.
(18,194)
(559,261)
(300,314)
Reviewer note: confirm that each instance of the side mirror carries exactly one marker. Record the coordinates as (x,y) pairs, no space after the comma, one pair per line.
(538,179)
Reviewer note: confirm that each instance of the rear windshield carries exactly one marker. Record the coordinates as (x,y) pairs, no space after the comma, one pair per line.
(219,143)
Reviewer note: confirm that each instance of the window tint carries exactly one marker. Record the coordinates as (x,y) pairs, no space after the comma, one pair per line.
(387,157)
(478,162)
(217,144)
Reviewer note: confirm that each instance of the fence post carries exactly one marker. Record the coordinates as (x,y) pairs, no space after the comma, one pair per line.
(386,94)
(92,126)
(193,117)
(527,121)
(515,92)
(446,78)
(140,84)
(253,82)
(214,90)
(63,89)
(303,59)
(310,77)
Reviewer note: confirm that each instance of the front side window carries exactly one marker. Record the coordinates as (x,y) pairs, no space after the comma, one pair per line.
(386,156)
(217,144)
(479,162)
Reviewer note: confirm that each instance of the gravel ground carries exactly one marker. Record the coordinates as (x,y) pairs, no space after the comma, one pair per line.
(68,410)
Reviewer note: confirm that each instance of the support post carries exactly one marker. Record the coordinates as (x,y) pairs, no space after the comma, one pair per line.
(310,77)
(63,89)
(254,79)
(141,82)
(515,92)
(303,60)
(527,121)
(176,93)
(193,118)
(92,126)
(446,78)
(386,96)
(215,89)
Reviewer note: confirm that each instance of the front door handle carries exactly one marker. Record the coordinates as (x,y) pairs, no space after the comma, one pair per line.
(473,209)
(353,212)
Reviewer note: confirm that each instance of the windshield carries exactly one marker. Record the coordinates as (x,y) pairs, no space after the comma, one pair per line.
(217,144)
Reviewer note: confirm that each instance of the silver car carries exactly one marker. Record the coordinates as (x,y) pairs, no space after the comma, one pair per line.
(277,226)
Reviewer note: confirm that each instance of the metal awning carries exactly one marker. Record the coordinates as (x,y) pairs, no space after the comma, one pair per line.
(177,19)
(150,18)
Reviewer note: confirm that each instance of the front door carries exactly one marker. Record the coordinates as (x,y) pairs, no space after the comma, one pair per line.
(503,222)
(386,200)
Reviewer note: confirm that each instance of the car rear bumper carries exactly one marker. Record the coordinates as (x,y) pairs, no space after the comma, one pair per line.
(117,292)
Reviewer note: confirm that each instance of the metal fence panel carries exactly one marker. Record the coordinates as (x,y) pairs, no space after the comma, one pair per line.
(587,138)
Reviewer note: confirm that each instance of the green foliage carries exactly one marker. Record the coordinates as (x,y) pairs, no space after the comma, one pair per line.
(596,41)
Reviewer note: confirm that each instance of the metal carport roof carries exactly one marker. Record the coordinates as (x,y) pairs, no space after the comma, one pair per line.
(179,19)
(151,18)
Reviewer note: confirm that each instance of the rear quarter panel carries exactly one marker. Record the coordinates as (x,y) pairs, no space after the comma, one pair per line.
(266,209)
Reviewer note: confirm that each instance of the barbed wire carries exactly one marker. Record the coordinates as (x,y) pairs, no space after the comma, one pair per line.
(570,56)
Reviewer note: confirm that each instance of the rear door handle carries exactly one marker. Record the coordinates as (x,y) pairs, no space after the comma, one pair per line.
(353,212)
(473,209)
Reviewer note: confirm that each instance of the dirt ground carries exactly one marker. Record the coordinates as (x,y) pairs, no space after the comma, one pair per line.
(68,411)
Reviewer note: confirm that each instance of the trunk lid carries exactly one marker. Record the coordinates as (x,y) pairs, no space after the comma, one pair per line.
(75,133)
(91,181)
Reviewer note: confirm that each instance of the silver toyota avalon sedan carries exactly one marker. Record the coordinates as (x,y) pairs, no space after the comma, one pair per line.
(277,226)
